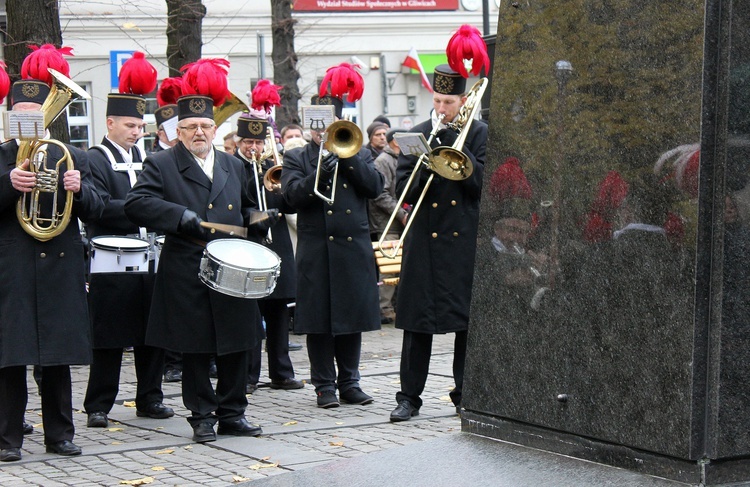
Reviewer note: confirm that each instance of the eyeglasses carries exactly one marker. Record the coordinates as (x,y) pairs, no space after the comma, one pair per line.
(192,128)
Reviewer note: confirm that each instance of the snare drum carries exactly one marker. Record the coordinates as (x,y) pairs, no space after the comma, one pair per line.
(158,245)
(239,268)
(118,254)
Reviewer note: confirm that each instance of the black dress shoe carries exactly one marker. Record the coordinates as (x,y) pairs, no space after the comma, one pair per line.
(97,419)
(355,395)
(64,447)
(287,384)
(10,454)
(403,412)
(172,375)
(155,410)
(27,428)
(239,427)
(293,347)
(204,432)
(250,388)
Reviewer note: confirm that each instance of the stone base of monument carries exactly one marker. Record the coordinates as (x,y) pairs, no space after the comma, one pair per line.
(466,460)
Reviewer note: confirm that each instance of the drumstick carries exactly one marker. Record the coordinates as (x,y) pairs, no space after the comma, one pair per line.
(228,229)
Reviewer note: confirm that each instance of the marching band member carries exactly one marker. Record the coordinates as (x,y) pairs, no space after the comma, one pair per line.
(437,268)
(252,134)
(337,295)
(177,191)
(119,302)
(169,91)
(44,318)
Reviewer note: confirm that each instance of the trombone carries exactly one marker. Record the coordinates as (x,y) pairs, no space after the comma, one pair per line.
(448,162)
(272,177)
(344,139)
(262,203)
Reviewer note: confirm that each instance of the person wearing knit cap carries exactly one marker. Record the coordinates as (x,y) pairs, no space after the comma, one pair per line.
(382,119)
(439,253)
(50,333)
(380,212)
(376,136)
(337,295)
(252,133)
(119,302)
(178,192)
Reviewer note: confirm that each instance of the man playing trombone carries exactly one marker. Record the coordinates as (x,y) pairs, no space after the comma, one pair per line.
(337,295)
(438,259)
(254,135)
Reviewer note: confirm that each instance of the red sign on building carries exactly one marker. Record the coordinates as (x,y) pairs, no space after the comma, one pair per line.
(373,5)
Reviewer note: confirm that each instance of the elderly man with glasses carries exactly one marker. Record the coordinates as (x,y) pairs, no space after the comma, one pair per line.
(177,191)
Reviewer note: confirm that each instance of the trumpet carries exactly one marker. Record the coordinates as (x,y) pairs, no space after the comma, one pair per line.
(448,162)
(272,177)
(28,210)
(344,139)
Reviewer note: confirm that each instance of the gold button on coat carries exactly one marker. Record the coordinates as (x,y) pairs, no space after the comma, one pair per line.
(349,239)
(345,186)
(43,255)
(330,212)
(62,254)
(348,212)
(230,207)
(434,235)
(210,206)
(455,234)
(434,205)
(330,238)
(453,202)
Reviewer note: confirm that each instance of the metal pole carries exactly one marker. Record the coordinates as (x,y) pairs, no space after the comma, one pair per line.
(261,56)
(486,17)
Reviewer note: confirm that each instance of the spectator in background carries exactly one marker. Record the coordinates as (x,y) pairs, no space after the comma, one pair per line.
(230,145)
(376,133)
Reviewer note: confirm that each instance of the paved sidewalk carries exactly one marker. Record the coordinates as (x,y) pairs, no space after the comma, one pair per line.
(296,433)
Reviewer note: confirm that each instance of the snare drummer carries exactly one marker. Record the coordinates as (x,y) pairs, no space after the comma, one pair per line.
(119,302)
(252,134)
(178,190)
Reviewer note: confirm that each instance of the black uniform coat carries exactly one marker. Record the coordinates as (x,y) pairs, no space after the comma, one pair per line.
(286,284)
(44,319)
(336,280)
(186,315)
(127,293)
(437,268)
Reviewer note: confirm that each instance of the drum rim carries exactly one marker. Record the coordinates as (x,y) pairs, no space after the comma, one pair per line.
(97,244)
(207,254)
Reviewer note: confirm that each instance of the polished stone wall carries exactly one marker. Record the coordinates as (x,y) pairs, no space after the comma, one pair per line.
(611,303)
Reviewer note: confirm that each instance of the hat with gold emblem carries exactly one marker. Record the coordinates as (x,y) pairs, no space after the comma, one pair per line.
(251,128)
(36,80)
(137,78)
(167,95)
(204,86)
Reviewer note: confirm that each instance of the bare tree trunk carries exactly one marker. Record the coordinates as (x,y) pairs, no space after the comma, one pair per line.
(184,33)
(33,22)
(284,61)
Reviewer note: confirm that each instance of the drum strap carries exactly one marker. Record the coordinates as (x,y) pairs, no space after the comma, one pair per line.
(129,167)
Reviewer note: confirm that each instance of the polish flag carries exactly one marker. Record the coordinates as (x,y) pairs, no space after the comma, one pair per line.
(412,61)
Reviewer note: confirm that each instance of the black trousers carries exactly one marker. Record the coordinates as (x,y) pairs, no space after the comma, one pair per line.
(416,351)
(277,316)
(172,360)
(228,401)
(323,349)
(57,405)
(104,378)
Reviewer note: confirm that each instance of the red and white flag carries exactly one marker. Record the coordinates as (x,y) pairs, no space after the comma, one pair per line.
(412,61)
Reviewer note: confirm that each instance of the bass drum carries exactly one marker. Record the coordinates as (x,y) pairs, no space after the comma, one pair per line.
(239,268)
(118,254)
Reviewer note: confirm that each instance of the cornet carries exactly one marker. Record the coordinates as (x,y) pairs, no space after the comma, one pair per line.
(344,139)
(28,210)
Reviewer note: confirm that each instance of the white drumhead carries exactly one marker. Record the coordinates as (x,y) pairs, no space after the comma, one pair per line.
(159,241)
(242,253)
(115,242)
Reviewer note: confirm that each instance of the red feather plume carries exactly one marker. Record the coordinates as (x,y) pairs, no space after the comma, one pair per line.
(265,95)
(137,75)
(169,91)
(48,56)
(612,191)
(467,44)
(4,82)
(509,181)
(344,80)
(207,77)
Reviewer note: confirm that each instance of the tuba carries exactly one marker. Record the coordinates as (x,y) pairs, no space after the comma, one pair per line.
(232,105)
(448,162)
(45,225)
(344,139)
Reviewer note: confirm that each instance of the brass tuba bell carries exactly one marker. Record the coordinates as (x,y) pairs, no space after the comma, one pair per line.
(232,105)
(44,224)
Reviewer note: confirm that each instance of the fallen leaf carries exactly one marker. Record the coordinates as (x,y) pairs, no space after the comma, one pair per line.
(258,466)
(159,428)
(445,398)
(143,481)
(116,443)
(237,478)
(375,390)
(264,459)
(157,469)
(290,423)
(165,452)
(129,404)
(115,429)
(336,443)
(189,447)
(375,356)
(362,367)
(339,422)
(397,381)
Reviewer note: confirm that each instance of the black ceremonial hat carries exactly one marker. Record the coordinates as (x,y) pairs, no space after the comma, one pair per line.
(338,103)
(252,128)
(448,82)
(30,91)
(195,106)
(164,113)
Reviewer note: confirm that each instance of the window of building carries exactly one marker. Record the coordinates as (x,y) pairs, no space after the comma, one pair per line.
(79,121)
